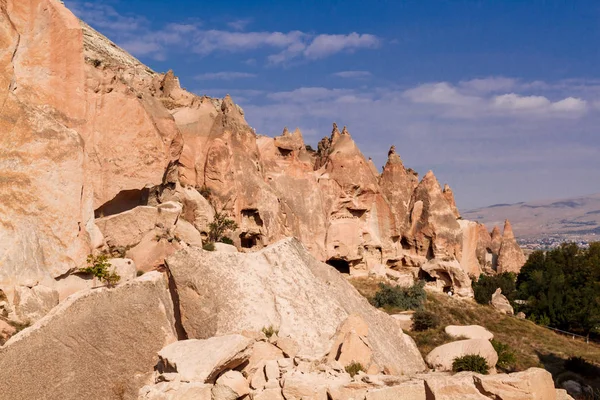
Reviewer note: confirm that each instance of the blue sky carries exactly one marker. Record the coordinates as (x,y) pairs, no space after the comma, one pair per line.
(501,99)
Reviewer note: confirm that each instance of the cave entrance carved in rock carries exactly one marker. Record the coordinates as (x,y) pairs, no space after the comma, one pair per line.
(342,266)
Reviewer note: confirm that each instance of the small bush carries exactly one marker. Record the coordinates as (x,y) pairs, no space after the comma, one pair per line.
(270,331)
(139,273)
(209,246)
(226,240)
(470,362)
(424,320)
(99,267)
(506,356)
(411,298)
(308,147)
(354,368)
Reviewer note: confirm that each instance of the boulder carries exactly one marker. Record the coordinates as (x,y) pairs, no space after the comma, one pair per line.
(442,357)
(285,287)
(152,250)
(6,331)
(501,303)
(469,332)
(203,360)
(31,304)
(351,344)
(521,315)
(533,384)
(230,386)
(128,228)
(268,394)
(77,344)
(561,394)
(288,346)
(186,232)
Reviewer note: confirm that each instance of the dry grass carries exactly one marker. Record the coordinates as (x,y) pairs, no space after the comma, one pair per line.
(533,345)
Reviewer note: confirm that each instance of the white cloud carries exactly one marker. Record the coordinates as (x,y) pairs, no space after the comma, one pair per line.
(352,74)
(439,93)
(135,35)
(512,101)
(224,75)
(326,45)
(570,104)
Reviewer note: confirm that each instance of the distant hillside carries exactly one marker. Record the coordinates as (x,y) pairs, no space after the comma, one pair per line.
(574,218)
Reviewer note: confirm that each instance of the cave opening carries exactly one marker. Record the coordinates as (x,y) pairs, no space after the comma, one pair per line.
(342,266)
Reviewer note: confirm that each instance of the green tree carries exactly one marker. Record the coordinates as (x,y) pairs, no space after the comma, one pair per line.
(486,285)
(562,287)
(99,267)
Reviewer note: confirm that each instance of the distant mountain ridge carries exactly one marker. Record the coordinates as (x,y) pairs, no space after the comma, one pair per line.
(576,218)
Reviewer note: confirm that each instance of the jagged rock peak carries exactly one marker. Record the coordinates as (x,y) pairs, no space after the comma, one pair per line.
(508,231)
(449,195)
(335,130)
(286,132)
(393,157)
(169,83)
(495,232)
(227,105)
(345,131)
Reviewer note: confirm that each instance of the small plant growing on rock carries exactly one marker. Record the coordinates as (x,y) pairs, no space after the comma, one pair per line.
(99,267)
(226,240)
(424,320)
(471,362)
(204,191)
(354,368)
(209,246)
(506,357)
(219,226)
(269,331)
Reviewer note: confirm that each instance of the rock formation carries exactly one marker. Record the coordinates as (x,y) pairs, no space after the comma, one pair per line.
(100,135)
(510,255)
(282,286)
(98,344)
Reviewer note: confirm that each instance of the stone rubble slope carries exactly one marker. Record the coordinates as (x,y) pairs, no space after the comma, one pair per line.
(309,378)
(282,286)
(95,345)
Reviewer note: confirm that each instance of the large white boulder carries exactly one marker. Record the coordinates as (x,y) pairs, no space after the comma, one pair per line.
(285,287)
(94,345)
(469,332)
(442,357)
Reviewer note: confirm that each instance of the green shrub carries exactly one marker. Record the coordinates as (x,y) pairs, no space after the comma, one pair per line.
(411,298)
(354,368)
(219,226)
(470,362)
(424,320)
(226,240)
(99,267)
(270,331)
(486,285)
(506,356)
(209,246)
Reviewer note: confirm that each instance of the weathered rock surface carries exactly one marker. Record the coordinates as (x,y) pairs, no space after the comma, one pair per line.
(469,332)
(285,287)
(510,255)
(100,343)
(203,360)
(501,303)
(442,357)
